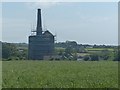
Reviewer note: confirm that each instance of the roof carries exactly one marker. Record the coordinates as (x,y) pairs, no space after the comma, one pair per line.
(47,33)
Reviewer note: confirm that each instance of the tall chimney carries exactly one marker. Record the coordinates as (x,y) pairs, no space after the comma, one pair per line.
(39,23)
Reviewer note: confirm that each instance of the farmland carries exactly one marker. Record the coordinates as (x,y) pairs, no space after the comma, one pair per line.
(60,74)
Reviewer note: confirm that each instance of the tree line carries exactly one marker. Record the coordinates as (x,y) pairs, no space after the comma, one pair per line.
(11,51)
(68,50)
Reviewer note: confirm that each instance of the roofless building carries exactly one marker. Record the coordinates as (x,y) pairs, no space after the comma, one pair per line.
(42,43)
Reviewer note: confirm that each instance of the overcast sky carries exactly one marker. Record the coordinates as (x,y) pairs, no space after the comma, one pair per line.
(86,23)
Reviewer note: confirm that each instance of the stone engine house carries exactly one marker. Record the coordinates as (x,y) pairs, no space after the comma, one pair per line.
(42,43)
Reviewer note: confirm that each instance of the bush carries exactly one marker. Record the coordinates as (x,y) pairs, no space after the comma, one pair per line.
(86,58)
(94,57)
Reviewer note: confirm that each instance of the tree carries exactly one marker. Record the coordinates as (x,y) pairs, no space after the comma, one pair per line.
(86,58)
(105,54)
(0,50)
(117,54)
(94,57)
(8,50)
(11,51)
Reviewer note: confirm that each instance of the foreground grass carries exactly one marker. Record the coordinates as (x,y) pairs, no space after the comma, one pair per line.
(0,74)
(60,74)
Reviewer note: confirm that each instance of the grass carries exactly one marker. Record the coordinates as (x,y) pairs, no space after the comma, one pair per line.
(0,74)
(99,49)
(82,54)
(60,74)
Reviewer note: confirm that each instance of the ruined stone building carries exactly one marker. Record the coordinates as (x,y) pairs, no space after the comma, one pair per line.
(42,43)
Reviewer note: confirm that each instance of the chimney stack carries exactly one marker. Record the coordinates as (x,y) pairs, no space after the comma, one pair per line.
(39,23)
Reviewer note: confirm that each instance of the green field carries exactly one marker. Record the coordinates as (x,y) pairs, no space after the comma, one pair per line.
(60,74)
(0,74)
(99,49)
